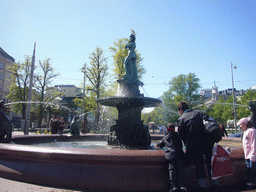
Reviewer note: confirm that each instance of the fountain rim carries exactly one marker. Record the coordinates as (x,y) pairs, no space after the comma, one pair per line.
(80,155)
(133,101)
(51,166)
(77,155)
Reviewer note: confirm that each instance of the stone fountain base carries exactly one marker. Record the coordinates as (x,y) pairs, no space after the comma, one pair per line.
(98,169)
(129,130)
(129,134)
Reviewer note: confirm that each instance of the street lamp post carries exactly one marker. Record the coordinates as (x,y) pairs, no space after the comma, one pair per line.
(234,101)
(83,69)
(28,109)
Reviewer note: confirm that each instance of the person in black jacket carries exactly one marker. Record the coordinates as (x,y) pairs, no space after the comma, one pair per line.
(174,154)
(192,132)
(55,125)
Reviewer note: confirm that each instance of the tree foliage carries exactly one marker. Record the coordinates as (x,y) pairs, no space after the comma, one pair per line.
(242,108)
(222,111)
(90,101)
(43,79)
(185,88)
(97,73)
(20,73)
(182,88)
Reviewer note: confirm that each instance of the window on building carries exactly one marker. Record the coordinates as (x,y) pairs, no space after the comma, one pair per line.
(1,65)
(1,76)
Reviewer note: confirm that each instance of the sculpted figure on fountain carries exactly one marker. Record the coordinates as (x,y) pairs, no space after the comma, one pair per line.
(129,85)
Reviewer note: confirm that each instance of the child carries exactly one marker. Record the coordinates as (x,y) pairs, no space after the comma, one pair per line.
(175,157)
(249,146)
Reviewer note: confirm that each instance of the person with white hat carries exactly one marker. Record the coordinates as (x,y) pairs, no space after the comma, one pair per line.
(249,146)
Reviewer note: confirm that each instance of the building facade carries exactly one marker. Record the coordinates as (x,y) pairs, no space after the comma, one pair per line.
(212,95)
(67,90)
(6,61)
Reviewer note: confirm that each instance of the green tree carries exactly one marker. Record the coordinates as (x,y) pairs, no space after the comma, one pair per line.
(242,109)
(20,73)
(217,110)
(222,110)
(119,55)
(154,116)
(43,80)
(170,107)
(228,109)
(182,88)
(146,117)
(90,101)
(186,88)
(96,74)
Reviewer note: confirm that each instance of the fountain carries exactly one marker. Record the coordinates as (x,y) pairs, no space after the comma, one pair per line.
(104,169)
(129,130)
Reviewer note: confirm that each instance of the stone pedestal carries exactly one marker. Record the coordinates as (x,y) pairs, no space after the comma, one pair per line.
(126,89)
(129,131)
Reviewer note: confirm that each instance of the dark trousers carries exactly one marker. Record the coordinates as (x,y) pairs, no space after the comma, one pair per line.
(199,163)
(200,157)
(208,160)
(251,169)
(177,174)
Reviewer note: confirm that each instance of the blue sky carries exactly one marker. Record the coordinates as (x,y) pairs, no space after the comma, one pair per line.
(173,37)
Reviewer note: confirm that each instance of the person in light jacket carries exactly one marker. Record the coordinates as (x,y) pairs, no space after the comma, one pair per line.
(249,146)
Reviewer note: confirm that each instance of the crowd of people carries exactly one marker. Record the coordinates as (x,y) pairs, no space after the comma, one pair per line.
(56,124)
(198,150)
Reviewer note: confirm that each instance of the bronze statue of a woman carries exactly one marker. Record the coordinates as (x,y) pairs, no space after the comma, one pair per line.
(131,75)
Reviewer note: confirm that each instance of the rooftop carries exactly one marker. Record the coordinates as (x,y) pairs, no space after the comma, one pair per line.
(6,55)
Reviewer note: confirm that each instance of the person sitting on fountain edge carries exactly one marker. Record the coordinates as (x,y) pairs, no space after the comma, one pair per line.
(175,157)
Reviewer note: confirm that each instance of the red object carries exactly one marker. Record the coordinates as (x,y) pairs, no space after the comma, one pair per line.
(221,162)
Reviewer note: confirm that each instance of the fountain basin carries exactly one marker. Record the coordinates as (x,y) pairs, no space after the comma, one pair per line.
(131,101)
(96,169)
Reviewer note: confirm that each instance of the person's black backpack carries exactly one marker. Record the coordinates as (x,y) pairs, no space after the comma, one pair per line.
(212,129)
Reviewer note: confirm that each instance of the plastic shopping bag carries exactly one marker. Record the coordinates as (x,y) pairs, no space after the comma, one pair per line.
(221,162)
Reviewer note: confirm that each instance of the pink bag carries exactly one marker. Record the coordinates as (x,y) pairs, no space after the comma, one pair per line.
(221,162)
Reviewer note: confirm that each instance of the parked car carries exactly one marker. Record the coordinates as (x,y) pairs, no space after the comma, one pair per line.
(235,135)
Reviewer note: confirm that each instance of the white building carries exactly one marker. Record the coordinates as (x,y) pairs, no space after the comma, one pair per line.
(206,93)
(67,90)
(215,93)
(211,95)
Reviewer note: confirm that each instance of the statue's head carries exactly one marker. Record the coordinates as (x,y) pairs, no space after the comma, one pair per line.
(132,37)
